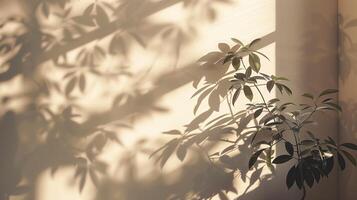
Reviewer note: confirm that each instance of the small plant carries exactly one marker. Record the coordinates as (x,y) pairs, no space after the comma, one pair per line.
(274,123)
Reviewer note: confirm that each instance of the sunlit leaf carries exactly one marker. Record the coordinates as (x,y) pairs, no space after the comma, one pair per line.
(254,62)
(224,47)
(254,42)
(237,41)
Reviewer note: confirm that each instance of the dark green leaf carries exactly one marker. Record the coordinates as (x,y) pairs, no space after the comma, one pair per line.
(349,156)
(282,159)
(316,174)
(341,161)
(271,101)
(349,145)
(248,92)
(248,72)
(308,142)
(299,177)
(254,157)
(308,177)
(270,85)
(289,148)
(290,177)
(258,112)
(287,90)
(328,165)
(236,95)
(331,141)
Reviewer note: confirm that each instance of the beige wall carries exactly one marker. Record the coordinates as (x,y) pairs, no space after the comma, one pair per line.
(299,37)
(347,85)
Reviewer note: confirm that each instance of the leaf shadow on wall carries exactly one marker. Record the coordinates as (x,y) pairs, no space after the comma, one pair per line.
(50,136)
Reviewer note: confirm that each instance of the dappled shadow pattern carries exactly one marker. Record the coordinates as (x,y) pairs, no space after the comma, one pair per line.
(57,51)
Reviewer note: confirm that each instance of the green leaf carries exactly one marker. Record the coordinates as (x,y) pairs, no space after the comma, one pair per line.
(307,142)
(341,161)
(237,41)
(271,101)
(350,146)
(224,47)
(349,156)
(328,91)
(236,63)
(248,92)
(287,90)
(228,58)
(334,105)
(308,95)
(258,112)
(308,177)
(253,159)
(254,42)
(270,85)
(290,177)
(248,72)
(289,148)
(282,159)
(328,165)
(254,62)
(236,95)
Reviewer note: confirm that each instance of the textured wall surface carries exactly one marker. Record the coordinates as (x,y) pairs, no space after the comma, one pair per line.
(129,75)
(347,86)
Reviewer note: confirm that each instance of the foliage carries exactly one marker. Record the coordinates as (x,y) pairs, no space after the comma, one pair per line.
(275,122)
